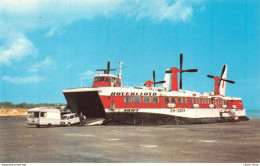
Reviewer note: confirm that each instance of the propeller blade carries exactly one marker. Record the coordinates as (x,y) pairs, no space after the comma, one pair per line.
(223,69)
(107,70)
(210,76)
(190,70)
(181,60)
(108,65)
(232,82)
(154,78)
(160,82)
(180,80)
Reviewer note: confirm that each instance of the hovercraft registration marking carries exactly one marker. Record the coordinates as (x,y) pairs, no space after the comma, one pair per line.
(131,110)
(177,110)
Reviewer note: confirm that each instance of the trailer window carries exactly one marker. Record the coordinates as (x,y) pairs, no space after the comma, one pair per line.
(155,100)
(128,99)
(166,100)
(30,115)
(137,99)
(147,99)
(43,114)
(36,114)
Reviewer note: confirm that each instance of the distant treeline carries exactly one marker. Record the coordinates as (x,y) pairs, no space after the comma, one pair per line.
(29,105)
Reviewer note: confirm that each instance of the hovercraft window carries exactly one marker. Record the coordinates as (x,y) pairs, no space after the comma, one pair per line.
(173,100)
(166,100)
(225,102)
(184,100)
(222,102)
(155,100)
(180,100)
(99,79)
(128,99)
(137,99)
(208,101)
(204,101)
(108,79)
(147,99)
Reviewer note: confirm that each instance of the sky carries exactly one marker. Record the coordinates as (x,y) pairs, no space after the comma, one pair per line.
(49,46)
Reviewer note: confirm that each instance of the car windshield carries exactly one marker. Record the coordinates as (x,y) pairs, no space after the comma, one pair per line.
(63,117)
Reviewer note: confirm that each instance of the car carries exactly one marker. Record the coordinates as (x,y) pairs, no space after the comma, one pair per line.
(69,119)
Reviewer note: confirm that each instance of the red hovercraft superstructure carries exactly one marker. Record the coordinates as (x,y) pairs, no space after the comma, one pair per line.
(151,105)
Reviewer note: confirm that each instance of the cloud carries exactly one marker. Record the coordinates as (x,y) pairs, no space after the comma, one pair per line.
(16,50)
(27,15)
(22,80)
(22,17)
(174,11)
(69,66)
(87,74)
(46,63)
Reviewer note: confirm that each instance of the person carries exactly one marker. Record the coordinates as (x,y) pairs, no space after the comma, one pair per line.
(82,119)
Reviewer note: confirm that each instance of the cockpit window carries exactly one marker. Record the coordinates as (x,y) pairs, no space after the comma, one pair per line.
(99,79)
(108,79)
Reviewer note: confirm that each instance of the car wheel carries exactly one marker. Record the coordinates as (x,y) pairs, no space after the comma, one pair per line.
(68,124)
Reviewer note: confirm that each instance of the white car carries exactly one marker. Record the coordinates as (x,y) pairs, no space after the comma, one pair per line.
(69,119)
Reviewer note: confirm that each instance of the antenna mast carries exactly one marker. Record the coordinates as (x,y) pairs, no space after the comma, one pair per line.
(120,70)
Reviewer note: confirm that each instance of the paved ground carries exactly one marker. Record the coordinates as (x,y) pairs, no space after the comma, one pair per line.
(223,142)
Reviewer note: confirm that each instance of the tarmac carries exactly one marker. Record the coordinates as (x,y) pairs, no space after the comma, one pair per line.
(233,142)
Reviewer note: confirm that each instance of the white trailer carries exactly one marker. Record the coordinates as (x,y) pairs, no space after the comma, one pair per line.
(43,116)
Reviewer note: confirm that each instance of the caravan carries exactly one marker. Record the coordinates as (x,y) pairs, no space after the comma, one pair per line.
(43,116)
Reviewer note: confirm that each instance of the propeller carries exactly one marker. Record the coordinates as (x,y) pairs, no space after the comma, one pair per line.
(217,81)
(223,70)
(189,70)
(150,82)
(229,81)
(107,70)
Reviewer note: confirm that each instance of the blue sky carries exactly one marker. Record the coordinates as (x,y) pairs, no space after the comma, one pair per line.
(46,45)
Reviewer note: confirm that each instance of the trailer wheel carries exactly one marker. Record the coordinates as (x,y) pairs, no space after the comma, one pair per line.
(38,126)
(68,124)
(49,125)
